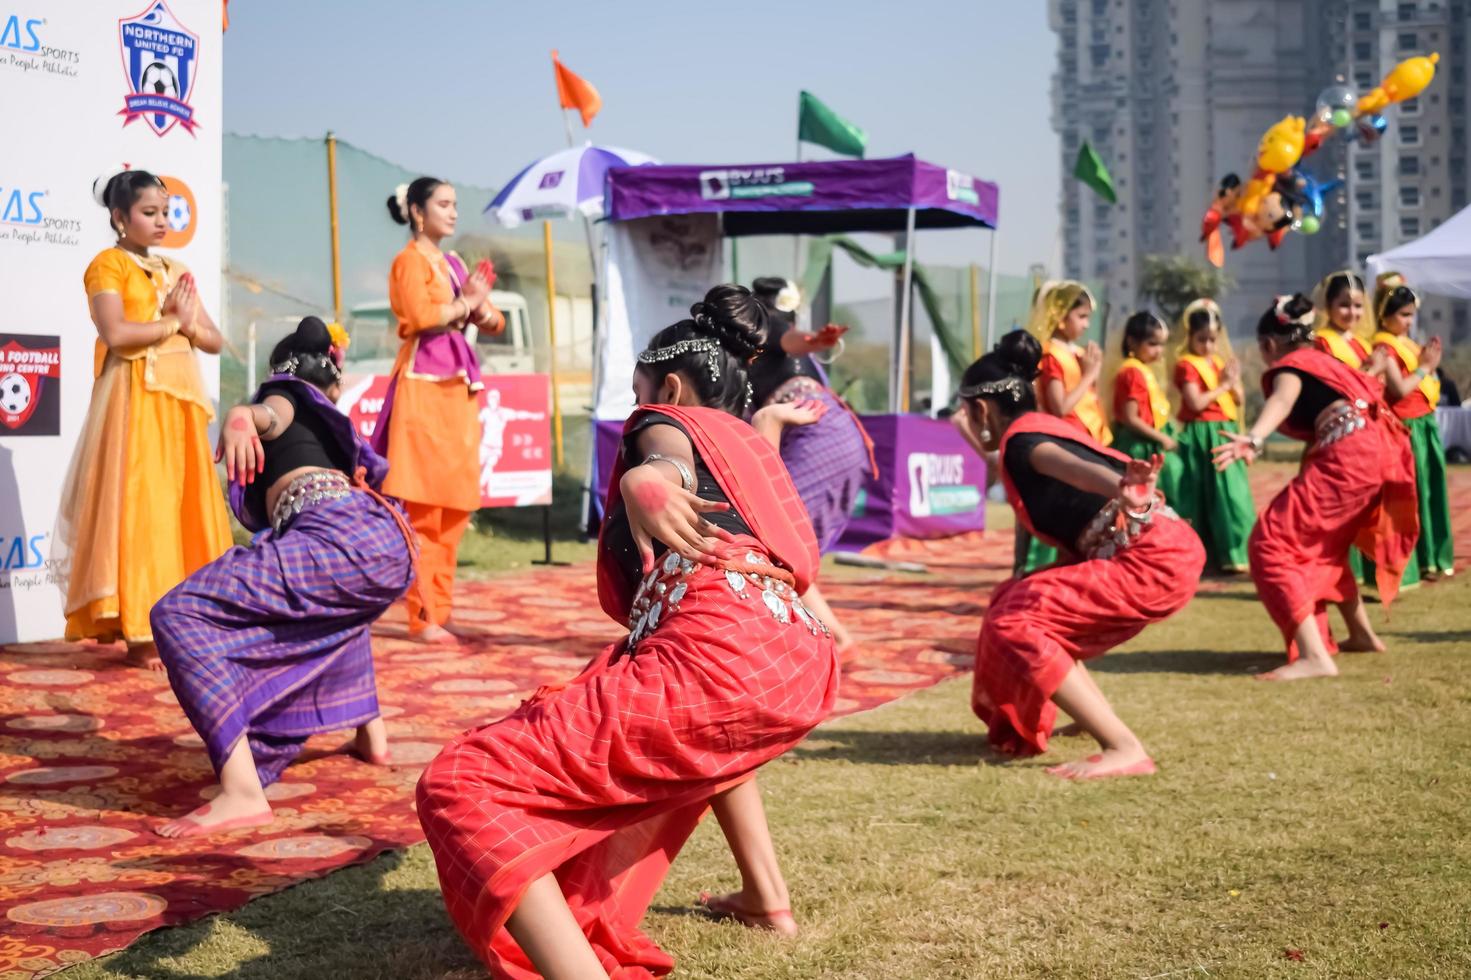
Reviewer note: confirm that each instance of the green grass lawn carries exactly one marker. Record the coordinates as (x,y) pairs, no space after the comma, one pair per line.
(1328,818)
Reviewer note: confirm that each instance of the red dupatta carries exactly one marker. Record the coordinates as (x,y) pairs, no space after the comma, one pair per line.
(755,481)
(1041,423)
(1389,531)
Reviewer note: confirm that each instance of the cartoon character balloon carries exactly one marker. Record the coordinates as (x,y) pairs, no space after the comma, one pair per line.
(1279,196)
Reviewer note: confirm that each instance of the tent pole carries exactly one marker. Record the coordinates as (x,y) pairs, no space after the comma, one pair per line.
(975,311)
(546,244)
(991,294)
(332,207)
(899,391)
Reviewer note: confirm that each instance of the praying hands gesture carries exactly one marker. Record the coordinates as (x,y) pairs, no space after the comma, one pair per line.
(182,303)
(1137,485)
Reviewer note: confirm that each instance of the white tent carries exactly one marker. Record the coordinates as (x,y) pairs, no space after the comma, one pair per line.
(1438,263)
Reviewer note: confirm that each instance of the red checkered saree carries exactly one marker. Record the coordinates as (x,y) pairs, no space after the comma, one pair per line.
(601,781)
(1036,627)
(1359,490)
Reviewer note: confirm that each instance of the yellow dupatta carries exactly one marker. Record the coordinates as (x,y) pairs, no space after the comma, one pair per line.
(1340,348)
(1409,354)
(1159,402)
(1210,376)
(1089,409)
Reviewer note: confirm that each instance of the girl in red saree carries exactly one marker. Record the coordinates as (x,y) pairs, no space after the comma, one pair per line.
(1128,561)
(553,828)
(1356,486)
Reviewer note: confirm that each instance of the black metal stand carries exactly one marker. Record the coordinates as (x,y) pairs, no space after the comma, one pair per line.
(546,539)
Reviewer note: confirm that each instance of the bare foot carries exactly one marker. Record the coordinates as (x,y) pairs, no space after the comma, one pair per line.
(1071,730)
(433,636)
(1369,643)
(144,655)
(1301,670)
(220,815)
(371,743)
(465,632)
(1129,761)
(736,906)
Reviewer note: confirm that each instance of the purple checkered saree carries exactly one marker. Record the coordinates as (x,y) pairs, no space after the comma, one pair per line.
(828,462)
(270,642)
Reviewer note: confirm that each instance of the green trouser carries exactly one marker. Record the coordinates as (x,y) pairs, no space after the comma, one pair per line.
(1435,548)
(1217,504)
(1131,443)
(1036,554)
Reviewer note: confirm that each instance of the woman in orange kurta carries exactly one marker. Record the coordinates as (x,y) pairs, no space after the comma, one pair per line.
(141,507)
(430,427)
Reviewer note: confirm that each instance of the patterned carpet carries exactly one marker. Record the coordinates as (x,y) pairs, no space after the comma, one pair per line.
(94,753)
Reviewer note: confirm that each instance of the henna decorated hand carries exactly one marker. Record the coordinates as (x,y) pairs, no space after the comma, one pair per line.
(660,511)
(1136,487)
(240,447)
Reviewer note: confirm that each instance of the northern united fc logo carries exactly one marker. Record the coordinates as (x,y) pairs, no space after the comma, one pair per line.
(160,62)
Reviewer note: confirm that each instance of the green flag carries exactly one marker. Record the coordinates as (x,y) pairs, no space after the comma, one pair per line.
(1091,171)
(816,123)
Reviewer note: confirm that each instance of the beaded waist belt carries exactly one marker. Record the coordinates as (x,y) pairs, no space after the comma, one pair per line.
(663,590)
(306,491)
(796,388)
(1341,422)
(1115,527)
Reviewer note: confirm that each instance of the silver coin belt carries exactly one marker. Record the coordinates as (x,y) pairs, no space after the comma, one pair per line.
(795,389)
(1106,535)
(663,589)
(1341,423)
(307,490)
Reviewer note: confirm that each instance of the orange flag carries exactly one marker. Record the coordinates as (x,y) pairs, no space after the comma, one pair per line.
(225,10)
(575,92)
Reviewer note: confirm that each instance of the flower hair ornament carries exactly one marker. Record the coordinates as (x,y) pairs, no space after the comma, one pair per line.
(100,185)
(1012,388)
(1279,310)
(401,198)
(698,345)
(340,342)
(789,298)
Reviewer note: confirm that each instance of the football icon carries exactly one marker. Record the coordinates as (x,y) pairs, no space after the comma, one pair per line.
(159,79)
(179,213)
(15,394)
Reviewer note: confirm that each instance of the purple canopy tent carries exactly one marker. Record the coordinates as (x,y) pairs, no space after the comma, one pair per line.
(931,485)
(817,198)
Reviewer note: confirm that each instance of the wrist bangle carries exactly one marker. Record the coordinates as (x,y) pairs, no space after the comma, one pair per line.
(275,420)
(1255,442)
(686,478)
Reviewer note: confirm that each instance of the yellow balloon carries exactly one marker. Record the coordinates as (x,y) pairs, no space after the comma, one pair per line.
(1407,79)
(1281,146)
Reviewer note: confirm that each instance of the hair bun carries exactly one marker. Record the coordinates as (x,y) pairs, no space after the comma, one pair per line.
(733,316)
(1020,353)
(311,337)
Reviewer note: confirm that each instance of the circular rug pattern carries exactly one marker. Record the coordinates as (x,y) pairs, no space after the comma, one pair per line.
(50,678)
(46,775)
(84,838)
(55,723)
(305,847)
(89,910)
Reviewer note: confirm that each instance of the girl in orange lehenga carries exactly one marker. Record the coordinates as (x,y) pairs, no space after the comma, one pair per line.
(141,506)
(429,428)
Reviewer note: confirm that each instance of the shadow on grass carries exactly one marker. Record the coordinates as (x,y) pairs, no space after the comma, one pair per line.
(1226,662)
(311,930)
(1430,636)
(901,748)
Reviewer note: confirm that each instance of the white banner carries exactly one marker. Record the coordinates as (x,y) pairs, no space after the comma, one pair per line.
(85,87)
(653,271)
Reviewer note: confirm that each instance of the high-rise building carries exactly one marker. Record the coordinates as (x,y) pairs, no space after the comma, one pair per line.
(1173,94)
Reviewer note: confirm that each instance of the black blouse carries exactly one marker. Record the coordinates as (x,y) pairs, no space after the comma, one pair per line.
(1057,509)
(307,441)
(774,367)
(619,537)
(1316,396)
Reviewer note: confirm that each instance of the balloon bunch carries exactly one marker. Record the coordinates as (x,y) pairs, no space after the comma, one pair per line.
(1280,196)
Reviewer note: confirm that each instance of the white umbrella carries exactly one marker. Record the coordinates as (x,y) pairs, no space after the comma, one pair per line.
(565,184)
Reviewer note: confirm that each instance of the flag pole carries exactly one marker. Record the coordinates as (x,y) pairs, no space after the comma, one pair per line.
(797,239)
(991,294)
(546,244)
(332,208)
(975,311)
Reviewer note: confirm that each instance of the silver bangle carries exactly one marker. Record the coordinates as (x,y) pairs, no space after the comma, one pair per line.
(1255,442)
(275,420)
(686,478)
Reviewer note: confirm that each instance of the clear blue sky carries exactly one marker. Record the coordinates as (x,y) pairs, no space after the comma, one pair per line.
(464,89)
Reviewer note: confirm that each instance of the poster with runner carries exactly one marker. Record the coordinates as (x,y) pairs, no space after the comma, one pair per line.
(516,434)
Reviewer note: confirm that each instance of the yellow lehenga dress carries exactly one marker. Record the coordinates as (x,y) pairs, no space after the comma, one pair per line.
(141,507)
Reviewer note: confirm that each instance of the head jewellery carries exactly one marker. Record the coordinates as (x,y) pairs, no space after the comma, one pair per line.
(1012,388)
(789,298)
(401,198)
(699,345)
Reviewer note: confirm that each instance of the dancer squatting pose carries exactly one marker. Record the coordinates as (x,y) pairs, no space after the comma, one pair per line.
(1356,485)
(553,828)
(1129,561)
